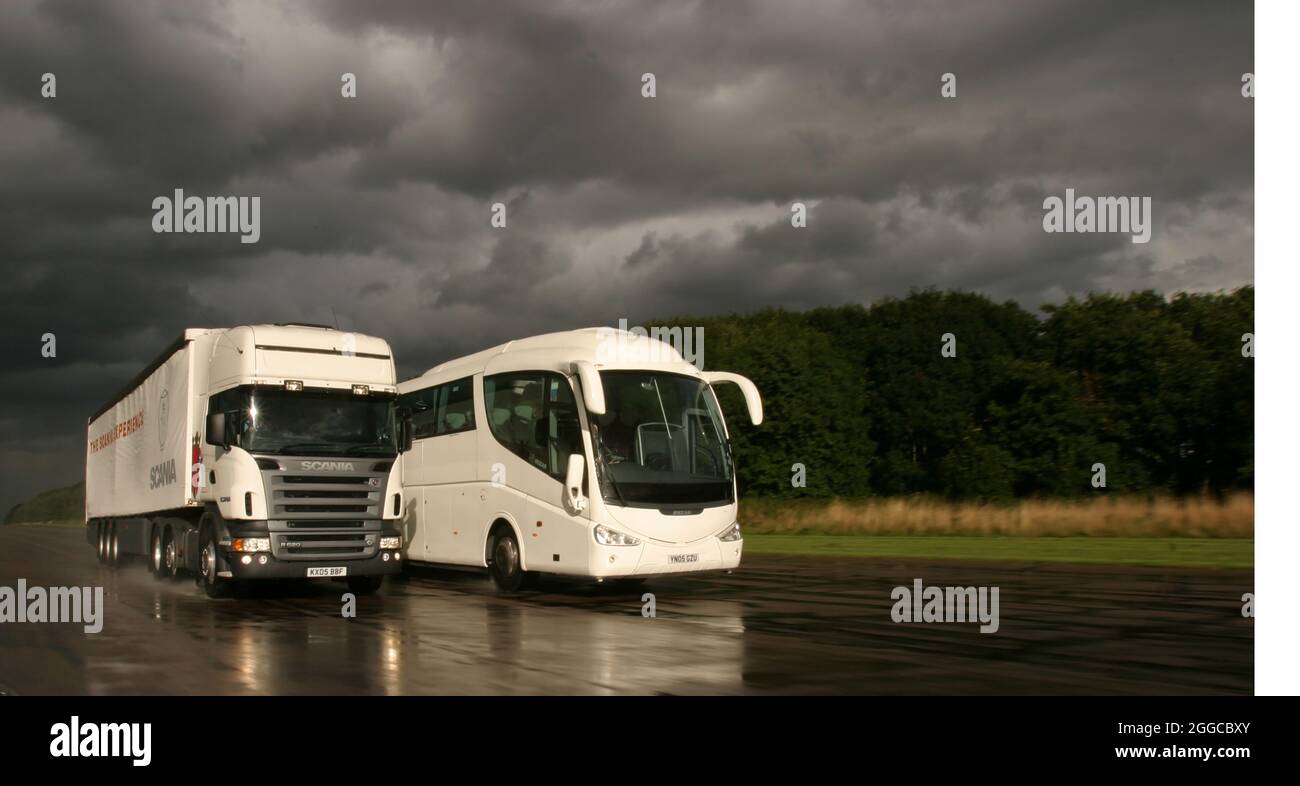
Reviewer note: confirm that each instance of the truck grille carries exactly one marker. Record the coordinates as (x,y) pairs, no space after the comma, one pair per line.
(327,545)
(325,514)
(323,497)
(326,524)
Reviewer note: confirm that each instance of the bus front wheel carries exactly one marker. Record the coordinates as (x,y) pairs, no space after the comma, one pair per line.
(507,566)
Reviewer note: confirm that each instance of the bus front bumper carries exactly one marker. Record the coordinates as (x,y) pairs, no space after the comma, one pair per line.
(653,559)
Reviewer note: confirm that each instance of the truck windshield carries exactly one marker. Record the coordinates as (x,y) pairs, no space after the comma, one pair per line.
(313,422)
(660,441)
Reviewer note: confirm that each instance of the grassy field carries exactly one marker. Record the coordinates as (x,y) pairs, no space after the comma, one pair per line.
(1098,517)
(68,523)
(1192,532)
(1169,552)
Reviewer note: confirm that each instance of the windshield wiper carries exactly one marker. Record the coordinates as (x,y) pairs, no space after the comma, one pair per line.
(599,442)
(609,473)
(351,449)
(296,446)
(662,412)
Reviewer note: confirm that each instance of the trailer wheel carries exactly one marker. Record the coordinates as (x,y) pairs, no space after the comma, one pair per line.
(214,586)
(100,550)
(156,566)
(507,565)
(171,557)
(112,555)
(364,585)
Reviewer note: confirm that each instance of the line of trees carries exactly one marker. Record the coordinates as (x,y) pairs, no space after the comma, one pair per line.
(1159,390)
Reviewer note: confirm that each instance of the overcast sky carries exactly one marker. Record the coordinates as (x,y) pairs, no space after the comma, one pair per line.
(375,210)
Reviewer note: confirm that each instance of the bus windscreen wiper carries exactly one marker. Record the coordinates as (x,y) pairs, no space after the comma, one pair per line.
(608,474)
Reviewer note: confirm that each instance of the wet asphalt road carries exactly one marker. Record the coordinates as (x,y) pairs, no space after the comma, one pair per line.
(778,625)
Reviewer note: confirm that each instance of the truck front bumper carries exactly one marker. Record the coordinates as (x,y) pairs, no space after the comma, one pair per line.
(265,566)
(281,563)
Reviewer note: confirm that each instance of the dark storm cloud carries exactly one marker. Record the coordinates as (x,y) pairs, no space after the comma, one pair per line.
(774,101)
(375,211)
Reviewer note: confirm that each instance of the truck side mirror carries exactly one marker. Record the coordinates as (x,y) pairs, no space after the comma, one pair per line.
(215,430)
(573,483)
(407,434)
(406,430)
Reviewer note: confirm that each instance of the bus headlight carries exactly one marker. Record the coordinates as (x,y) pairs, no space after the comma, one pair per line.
(251,544)
(390,543)
(612,537)
(730,533)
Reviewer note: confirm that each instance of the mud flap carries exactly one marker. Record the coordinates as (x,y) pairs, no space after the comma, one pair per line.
(190,550)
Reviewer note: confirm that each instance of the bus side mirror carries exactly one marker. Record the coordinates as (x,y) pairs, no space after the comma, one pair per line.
(593,392)
(753,402)
(215,430)
(573,483)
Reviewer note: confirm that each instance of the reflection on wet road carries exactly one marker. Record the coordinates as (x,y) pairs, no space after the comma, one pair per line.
(778,625)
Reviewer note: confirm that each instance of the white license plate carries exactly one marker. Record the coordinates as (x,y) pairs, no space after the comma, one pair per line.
(682,558)
(326,573)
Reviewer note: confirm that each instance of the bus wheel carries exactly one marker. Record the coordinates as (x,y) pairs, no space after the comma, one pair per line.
(156,565)
(364,585)
(507,567)
(214,586)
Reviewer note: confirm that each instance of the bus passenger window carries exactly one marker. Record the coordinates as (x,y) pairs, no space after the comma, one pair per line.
(456,408)
(534,415)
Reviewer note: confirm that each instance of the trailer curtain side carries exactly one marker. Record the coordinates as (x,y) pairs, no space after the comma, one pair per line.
(142,451)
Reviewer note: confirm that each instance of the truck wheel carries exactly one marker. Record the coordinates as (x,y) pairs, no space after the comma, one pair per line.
(364,585)
(156,564)
(213,585)
(171,556)
(507,567)
(112,555)
(100,551)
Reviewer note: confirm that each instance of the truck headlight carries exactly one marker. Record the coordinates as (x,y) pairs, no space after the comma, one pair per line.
(730,533)
(247,545)
(391,543)
(612,537)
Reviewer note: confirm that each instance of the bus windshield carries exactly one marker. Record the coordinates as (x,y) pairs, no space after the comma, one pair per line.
(316,423)
(660,441)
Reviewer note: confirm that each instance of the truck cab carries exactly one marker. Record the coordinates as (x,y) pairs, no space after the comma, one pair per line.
(253,452)
(300,470)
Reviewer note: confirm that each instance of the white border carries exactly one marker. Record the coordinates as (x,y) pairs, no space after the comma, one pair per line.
(1277,379)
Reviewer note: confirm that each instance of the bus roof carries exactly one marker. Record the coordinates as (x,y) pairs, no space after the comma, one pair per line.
(605,347)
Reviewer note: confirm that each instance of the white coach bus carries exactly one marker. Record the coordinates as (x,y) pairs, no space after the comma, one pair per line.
(507,471)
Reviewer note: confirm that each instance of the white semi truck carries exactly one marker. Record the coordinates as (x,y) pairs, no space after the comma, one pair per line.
(255,452)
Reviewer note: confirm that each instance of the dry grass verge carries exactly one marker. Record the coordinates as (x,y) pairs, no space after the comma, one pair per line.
(1134,517)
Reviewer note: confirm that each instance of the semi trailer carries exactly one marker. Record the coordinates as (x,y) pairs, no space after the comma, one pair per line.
(250,453)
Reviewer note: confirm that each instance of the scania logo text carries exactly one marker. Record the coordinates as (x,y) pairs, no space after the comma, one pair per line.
(329,466)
